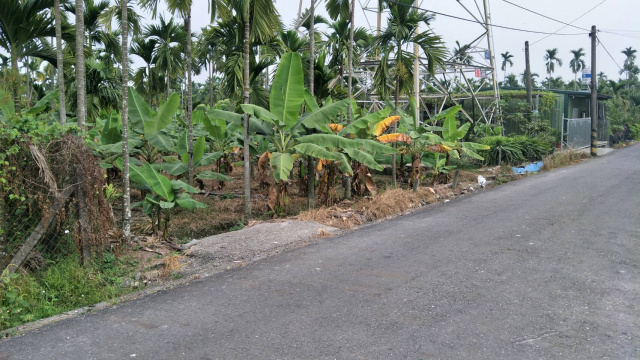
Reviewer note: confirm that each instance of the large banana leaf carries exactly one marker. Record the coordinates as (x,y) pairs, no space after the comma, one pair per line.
(139,112)
(147,175)
(7,105)
(215,127)
(324,115)
(42,103)
(211,175)
(173,168)
(366,122)
(185,201)
(281,164)
(179,185)
(208,159)
(374,147)
(260,113)
(287,90)
(163,117)
(330,141)
(364,158)
(161,141)
(111,132)
(316,151)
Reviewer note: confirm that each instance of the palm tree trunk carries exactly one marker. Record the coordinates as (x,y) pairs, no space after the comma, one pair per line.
(28,68)
(211,72)
(81,111)
(395,128)
(189,98)
(347,190)
(126,189)
(245,149)
(311,171)
(62,106)
(149,84)
(16,81)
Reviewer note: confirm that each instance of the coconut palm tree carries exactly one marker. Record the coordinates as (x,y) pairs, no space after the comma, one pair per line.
(551,59)
(577,64)
(24,25)
(506,60)
(402,22)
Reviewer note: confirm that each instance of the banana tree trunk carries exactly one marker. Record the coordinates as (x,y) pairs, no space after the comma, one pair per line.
(81,110)
(245,149)
(60,65)
(415,169)
(189,98)
(126,186)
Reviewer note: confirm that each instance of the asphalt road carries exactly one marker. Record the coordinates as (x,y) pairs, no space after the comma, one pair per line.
(547,267)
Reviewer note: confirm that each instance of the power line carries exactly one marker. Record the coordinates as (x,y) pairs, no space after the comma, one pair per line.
(569,24)
(484,23)
(544,16)
(608,53)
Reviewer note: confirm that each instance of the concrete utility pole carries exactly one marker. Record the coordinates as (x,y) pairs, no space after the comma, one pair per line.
(594,95)
(527,75)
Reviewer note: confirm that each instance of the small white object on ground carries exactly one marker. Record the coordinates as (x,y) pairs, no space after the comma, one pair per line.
(482,181)
(446,201)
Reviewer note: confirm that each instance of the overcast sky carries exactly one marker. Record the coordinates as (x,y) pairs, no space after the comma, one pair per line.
(619,18)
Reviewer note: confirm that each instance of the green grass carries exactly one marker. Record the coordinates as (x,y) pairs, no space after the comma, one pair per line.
(64,285)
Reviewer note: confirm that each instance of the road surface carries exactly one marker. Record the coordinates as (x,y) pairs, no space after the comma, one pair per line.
(547,267)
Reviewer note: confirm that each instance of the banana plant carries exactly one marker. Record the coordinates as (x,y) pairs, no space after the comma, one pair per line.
(165,194)
(357,148)
(369,129)
(282,126)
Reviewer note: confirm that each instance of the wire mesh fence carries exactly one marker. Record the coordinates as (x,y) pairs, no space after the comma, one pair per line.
(52,204)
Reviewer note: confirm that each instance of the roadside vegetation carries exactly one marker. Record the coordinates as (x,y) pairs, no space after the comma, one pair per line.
(106,172)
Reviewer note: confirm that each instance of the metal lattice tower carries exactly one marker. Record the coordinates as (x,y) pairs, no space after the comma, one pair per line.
(453,81)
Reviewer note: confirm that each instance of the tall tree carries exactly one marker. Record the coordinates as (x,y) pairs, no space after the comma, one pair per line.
(400,32)
(58,24)
(629,66)
(126,193)
(81,108)
(260,19)
(506,60)
(551,59)
(144,48)
(576,64)
(311,179)
(169,38)
(24,25)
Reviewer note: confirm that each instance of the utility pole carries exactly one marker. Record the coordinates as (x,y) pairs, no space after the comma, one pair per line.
(496,93)
(527,75)
(594,95)
(416,73)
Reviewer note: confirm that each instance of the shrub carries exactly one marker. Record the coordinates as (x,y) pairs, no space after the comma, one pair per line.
(533,149)
(503,149)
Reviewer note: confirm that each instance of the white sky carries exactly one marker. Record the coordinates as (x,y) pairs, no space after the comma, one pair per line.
(618,20)
(618,15)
